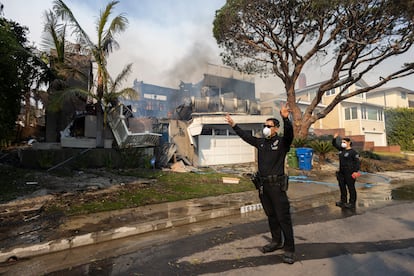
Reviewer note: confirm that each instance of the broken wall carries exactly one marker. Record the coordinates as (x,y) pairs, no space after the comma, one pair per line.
(180,137)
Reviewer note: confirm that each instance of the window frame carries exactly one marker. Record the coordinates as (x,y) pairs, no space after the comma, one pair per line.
(350,111)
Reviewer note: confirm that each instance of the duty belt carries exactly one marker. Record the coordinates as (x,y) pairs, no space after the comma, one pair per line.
(271,178)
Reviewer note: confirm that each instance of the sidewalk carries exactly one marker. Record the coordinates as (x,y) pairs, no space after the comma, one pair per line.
(86,230)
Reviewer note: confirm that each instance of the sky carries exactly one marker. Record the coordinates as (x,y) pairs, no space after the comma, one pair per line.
(167,41)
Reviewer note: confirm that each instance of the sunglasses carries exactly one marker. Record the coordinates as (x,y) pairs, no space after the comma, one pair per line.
(268,126)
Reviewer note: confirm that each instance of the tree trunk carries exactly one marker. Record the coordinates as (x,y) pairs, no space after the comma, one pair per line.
(100,139)
(51,126)
(301,124)
(300,129)
(27,110)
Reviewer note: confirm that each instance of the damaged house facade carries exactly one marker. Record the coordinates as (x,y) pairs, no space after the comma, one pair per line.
(184,123)
(191,118)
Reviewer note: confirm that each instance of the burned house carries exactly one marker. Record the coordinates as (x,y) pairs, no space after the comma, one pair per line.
(153,100)
(193,117)
(207,95)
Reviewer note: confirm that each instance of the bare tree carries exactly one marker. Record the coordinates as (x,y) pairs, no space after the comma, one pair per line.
(280,37)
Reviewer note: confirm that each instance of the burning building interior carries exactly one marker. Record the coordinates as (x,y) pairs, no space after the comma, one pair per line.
(190,118)
(172,124)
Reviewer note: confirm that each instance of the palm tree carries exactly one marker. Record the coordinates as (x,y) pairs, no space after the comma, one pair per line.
(106,31)
(64,70)
(110,96)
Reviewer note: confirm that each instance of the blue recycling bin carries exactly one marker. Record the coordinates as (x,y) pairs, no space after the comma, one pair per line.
(305,158)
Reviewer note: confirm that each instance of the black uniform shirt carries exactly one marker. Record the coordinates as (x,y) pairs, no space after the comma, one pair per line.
(349,161)
(271,152)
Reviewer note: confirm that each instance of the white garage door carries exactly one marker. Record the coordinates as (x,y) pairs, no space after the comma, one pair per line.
(220,150)
(377,138)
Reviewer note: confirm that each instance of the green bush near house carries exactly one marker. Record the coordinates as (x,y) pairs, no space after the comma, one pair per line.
(321,148)
(400,129)
(300,142)
(370,155)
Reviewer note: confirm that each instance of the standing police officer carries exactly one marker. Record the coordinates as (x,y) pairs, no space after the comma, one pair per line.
(349,165)
(273,182)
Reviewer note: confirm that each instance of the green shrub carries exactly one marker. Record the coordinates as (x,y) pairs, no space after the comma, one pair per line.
(369,155)
(322,148)
(300,142)
(400,129)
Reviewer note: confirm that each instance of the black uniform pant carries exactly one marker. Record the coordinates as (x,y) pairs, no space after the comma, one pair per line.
(277,208)
(346,184)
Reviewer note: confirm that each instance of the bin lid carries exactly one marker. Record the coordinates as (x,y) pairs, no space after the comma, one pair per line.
(304,150)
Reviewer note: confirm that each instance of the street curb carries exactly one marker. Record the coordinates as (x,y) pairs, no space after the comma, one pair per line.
(116,233)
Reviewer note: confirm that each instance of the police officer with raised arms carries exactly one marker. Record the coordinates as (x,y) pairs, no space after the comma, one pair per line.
(271,180)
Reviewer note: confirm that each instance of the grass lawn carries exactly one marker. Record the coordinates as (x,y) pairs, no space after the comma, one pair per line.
(137,187)
(143,187)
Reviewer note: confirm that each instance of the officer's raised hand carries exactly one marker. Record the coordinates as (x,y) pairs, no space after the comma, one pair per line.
(284,111)
(229,120)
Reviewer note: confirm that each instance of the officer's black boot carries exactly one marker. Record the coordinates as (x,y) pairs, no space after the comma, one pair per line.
(273,246)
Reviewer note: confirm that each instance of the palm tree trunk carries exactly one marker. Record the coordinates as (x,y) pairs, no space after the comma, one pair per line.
(99,126)
(51,126)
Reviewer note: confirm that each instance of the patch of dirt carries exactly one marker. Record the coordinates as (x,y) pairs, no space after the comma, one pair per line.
(74,188)
(24,220)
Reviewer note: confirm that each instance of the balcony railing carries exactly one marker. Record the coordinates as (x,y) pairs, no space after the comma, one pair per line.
(117,119)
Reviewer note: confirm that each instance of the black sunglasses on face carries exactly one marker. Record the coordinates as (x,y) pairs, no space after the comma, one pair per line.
(268,126)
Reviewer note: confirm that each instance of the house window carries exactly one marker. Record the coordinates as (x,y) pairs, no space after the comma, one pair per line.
(351,113)
(149,105)
(220,132)
(232,132)
(403,95)
(330,92)
(370,113)
(312,95)
(346,91)
(360,95)
(207,131)
(363,112)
